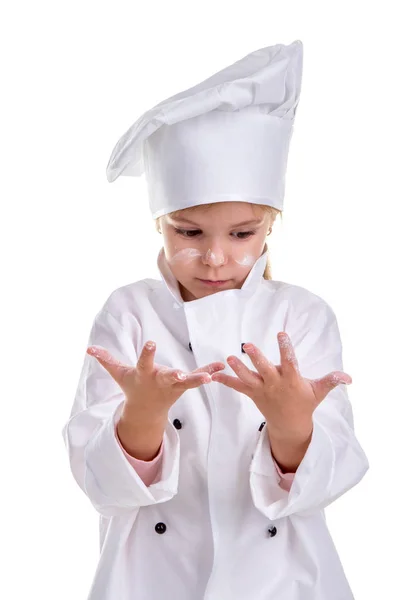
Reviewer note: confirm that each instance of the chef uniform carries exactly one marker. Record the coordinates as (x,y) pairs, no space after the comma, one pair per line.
(216,524)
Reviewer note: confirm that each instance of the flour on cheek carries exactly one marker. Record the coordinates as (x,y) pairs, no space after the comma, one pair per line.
(186,255)
(247,261)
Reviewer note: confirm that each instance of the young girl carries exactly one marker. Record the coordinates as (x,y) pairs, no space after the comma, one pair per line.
(211,425)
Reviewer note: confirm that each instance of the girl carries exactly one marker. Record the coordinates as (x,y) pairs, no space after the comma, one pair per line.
(211,424)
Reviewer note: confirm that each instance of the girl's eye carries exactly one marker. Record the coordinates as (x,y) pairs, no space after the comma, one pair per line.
(183,232)
(246,233)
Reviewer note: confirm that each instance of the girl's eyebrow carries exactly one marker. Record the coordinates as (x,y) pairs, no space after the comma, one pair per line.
(251,222)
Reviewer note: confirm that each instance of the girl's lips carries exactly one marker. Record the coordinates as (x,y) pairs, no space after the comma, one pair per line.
(213,283)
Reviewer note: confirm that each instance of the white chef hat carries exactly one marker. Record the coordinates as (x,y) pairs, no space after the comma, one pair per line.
(225,139)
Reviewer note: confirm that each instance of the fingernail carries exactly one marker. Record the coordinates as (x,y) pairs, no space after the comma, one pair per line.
(338,379)
(93,350)
(248,347)
(181,376)
(150,346)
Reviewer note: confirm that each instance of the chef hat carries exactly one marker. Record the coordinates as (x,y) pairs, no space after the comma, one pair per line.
(225,139)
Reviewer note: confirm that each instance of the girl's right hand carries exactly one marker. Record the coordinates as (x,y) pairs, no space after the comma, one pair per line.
(150,388)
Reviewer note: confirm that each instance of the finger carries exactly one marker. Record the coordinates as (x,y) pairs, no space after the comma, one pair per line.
(211,368)
(248,376)
(289,362)
(167,377)
(325,384)
(232,382)
(194,380)
(114,367)
(265,368)
(145,363)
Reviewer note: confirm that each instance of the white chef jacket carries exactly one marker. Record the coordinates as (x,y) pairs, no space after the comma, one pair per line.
(217,525)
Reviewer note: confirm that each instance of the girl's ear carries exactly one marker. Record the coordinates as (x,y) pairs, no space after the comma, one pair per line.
(158,225)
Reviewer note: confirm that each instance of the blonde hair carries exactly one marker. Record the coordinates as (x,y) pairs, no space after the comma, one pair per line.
(270,209)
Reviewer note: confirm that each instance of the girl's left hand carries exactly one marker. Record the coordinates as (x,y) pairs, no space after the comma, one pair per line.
(285,398)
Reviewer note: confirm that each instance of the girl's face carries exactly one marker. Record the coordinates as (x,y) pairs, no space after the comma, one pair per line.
(212,244)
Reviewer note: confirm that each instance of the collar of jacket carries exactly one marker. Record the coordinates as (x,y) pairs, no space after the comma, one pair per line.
(248,288)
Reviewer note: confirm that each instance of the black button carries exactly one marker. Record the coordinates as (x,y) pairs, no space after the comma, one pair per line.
(190,347)
(261,426)
(272,531)
(241,345)
(177,424)
(161,528)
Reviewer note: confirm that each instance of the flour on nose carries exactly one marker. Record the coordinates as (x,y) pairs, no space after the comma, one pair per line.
(212,256)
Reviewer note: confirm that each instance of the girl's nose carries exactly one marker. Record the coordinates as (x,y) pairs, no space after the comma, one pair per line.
(214,258)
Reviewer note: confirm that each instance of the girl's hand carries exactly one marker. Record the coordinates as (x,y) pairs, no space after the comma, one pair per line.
(285,398)
(150,388)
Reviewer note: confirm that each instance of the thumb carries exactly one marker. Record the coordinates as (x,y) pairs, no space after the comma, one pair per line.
(325,384)
(114,367)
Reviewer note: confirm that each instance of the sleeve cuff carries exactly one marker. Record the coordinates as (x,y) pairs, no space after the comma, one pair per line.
(148,470)
(112,483)
(310,484)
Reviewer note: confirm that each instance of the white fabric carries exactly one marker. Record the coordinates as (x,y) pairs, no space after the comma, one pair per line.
(219,490)
(225,139)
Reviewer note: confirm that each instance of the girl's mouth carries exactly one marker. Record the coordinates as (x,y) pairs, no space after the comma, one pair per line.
(213,283)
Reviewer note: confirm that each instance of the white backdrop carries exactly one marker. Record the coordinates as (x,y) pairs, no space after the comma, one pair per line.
(75,75)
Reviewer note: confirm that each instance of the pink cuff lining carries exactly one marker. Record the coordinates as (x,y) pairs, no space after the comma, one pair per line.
(149,471)
(286,478)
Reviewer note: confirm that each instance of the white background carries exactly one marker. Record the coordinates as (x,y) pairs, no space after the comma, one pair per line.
(74,76)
